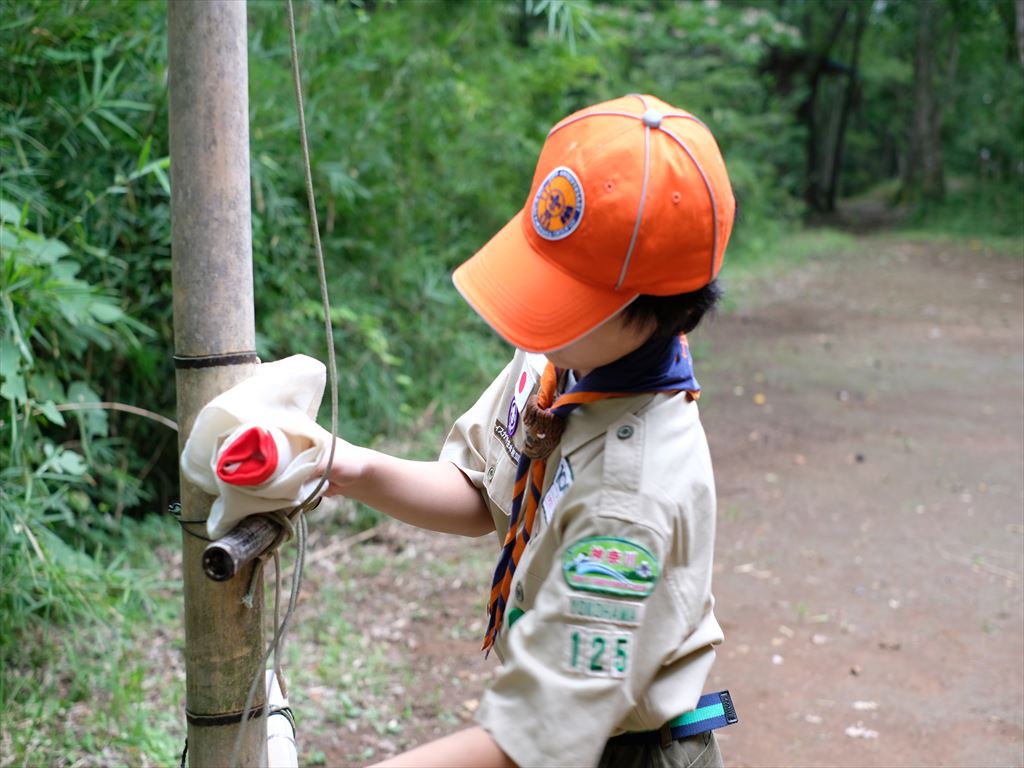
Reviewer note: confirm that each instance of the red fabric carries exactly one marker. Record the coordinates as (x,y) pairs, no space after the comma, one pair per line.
(250,460)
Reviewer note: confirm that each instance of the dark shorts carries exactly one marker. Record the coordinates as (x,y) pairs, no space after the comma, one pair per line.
(700,751)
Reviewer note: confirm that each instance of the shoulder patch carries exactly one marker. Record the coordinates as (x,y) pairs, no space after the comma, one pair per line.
(610,565)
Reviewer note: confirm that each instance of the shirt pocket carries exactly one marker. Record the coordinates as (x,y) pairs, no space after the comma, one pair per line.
(499,481)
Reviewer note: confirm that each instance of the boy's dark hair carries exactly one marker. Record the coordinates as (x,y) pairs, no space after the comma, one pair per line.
(676,314)
(673,315)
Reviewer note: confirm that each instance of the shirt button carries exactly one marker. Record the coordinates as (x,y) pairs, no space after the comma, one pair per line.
(520,596)
(490,473)
(624,432)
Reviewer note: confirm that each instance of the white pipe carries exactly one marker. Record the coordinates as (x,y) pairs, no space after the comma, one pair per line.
(282,751)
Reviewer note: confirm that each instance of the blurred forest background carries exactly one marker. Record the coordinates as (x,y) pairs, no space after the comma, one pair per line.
(425,119)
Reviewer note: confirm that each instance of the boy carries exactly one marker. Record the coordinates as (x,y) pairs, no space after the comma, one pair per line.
(586,454)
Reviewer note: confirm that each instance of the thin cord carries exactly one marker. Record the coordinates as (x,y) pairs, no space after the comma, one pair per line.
(332,371)
(332,374)
(278,639)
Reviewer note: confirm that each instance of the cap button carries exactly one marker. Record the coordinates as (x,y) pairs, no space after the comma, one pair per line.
(652,118)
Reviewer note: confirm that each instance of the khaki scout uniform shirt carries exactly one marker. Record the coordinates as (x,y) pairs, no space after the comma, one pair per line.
(580,666)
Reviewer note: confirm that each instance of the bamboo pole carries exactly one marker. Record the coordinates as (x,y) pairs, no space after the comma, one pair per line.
(214,340)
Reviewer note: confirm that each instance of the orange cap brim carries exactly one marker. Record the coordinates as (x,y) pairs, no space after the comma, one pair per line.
(530,302)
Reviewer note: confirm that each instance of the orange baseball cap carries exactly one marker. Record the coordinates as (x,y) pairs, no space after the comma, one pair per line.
(630,197)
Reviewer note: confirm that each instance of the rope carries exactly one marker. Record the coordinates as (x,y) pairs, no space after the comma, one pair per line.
(332,371)
(297,514)
(285,531)
(282,629)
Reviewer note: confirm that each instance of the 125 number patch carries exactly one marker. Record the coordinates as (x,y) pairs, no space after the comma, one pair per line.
(598,652)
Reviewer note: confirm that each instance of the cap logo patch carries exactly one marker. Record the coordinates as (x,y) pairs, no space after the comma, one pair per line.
(558,204)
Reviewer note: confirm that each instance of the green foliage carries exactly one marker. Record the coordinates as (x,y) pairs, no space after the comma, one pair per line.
(78,179)
(980,88)
(84,203)
(63,482)
(99,682)
(60,477)
(988,147)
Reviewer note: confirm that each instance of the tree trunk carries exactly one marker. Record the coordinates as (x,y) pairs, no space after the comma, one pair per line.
(813,173)
(1020,32)
(863,11)
(523,19)
(924,179)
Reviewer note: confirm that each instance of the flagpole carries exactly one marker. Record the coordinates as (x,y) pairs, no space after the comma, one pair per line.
(214,343)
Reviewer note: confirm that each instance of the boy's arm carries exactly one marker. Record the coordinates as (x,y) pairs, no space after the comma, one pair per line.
(471,748)
(428,494)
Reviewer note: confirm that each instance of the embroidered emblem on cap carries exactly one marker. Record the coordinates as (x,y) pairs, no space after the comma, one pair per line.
(558,205)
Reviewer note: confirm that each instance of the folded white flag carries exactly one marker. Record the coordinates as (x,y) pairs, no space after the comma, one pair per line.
(256,446)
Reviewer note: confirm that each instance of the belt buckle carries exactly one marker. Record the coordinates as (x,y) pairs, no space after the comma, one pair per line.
(666,736)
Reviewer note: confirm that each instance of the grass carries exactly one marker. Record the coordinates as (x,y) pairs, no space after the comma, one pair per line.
(982,243)
(108,690)
(347,658)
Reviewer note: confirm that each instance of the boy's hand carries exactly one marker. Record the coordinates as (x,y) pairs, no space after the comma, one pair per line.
(348,467)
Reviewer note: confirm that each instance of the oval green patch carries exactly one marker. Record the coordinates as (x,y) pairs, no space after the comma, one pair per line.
(610,565)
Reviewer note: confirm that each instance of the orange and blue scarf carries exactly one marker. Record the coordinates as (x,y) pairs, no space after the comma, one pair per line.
(660,365)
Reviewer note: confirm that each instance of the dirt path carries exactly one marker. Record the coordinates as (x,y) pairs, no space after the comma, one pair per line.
(866,418)
(871,542)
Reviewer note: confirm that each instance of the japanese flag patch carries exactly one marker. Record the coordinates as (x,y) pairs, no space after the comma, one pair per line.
(527,379)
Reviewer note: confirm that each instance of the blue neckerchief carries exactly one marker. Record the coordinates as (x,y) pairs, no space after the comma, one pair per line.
(659,365)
